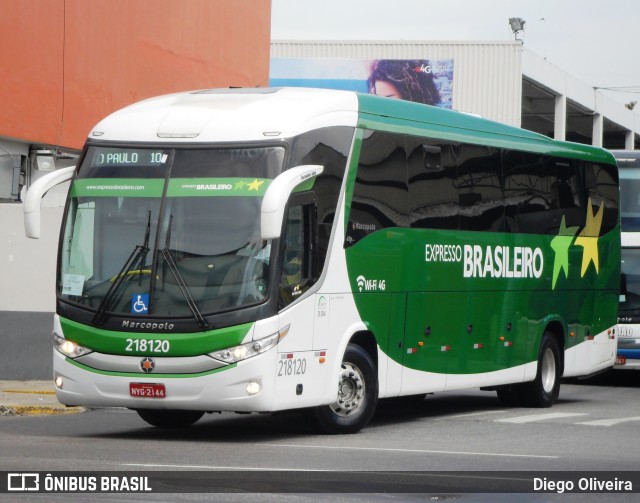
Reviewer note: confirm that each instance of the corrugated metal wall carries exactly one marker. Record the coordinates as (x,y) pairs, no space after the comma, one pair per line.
(487,76)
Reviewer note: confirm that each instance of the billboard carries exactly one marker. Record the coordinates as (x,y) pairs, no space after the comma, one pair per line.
(421,80)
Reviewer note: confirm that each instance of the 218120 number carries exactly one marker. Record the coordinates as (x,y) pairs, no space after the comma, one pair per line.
(292,367)
(147,346)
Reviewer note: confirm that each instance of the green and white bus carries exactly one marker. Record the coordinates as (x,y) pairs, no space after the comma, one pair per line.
(261,250)
(629,315)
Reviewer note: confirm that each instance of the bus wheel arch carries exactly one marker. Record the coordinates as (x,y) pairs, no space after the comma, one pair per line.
(367,341)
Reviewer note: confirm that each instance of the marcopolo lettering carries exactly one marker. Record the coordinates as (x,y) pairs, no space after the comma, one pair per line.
(502,262)
(149,325)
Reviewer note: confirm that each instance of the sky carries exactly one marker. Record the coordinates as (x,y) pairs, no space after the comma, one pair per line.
(596,41)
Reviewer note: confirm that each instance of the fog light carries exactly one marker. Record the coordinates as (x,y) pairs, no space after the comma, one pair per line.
(253,388)
(58,382)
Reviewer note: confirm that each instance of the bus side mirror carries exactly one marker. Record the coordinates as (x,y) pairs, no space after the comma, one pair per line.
(276,197)
(31,205)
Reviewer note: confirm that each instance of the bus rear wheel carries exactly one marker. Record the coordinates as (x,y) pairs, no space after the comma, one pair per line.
(543,391)
(170,418)
(356,399)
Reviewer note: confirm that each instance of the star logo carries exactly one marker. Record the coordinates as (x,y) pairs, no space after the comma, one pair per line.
(588,238)
(560,245)
(147,364)
(239,185)
(255,185)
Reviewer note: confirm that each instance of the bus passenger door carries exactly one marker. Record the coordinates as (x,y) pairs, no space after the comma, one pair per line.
(299,272)
(301,372)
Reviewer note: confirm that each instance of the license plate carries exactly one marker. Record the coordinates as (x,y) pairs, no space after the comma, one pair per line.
(621,360)
(625,332)
(147,390)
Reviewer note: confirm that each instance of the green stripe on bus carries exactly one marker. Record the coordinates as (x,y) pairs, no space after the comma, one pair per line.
(180,344)
(117,187)
(190,187)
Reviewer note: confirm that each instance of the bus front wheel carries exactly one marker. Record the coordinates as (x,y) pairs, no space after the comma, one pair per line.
(170,418)
(356,399)
(545,388)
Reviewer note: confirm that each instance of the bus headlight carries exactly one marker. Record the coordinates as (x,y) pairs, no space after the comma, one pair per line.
(67,347)
(252,348)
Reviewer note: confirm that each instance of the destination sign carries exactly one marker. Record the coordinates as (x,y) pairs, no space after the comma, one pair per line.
(130,157)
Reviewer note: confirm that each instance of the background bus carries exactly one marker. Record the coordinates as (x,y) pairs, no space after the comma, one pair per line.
(275,249)
(629,316)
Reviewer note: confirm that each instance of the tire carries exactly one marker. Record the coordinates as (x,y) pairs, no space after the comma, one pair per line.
(543,391)
(170,418)
(356,399)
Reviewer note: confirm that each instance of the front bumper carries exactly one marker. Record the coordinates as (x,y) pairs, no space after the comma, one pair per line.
(221,389)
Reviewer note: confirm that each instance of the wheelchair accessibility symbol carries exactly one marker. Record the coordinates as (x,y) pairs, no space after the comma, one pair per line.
(140,303)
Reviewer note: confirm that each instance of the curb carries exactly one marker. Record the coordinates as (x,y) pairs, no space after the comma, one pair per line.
(38,410)
(31,398)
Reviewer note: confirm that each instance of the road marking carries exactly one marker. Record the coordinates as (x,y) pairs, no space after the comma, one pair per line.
(470,414)
(28,392)
(412,451)
(538,417)
(611,422)
(347,448)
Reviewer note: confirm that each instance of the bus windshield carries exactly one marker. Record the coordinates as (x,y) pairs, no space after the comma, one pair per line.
(171,231)
(630,294)
(629,199)
(630,223)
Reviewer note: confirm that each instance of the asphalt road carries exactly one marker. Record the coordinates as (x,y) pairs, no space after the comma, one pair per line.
(594,426)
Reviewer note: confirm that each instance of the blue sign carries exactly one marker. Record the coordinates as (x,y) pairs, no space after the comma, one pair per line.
(140,303)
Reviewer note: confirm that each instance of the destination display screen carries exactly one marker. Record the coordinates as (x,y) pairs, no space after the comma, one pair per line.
(125,162)
(112,157)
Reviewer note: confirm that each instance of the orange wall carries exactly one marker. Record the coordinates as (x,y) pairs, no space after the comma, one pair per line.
(68,63)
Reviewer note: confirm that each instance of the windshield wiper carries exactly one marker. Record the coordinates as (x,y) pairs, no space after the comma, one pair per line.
(182,284)
(138,256)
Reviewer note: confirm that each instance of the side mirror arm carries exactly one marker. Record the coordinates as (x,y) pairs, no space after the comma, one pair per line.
(276,197)
(33,198)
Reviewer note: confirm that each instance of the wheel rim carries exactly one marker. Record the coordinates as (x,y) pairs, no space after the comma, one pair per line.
(351,391)
(548,371)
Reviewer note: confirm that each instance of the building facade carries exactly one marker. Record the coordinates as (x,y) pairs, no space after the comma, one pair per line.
(67,64)
(502,81)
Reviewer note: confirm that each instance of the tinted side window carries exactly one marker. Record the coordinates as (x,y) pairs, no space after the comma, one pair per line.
(526,192)
(602,189)
(540,191)
(433,195)
(480,188)
(380,194)
(566,194)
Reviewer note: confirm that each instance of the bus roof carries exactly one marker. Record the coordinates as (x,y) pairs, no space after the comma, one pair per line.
(219,115)
(253,114)
(459,126)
